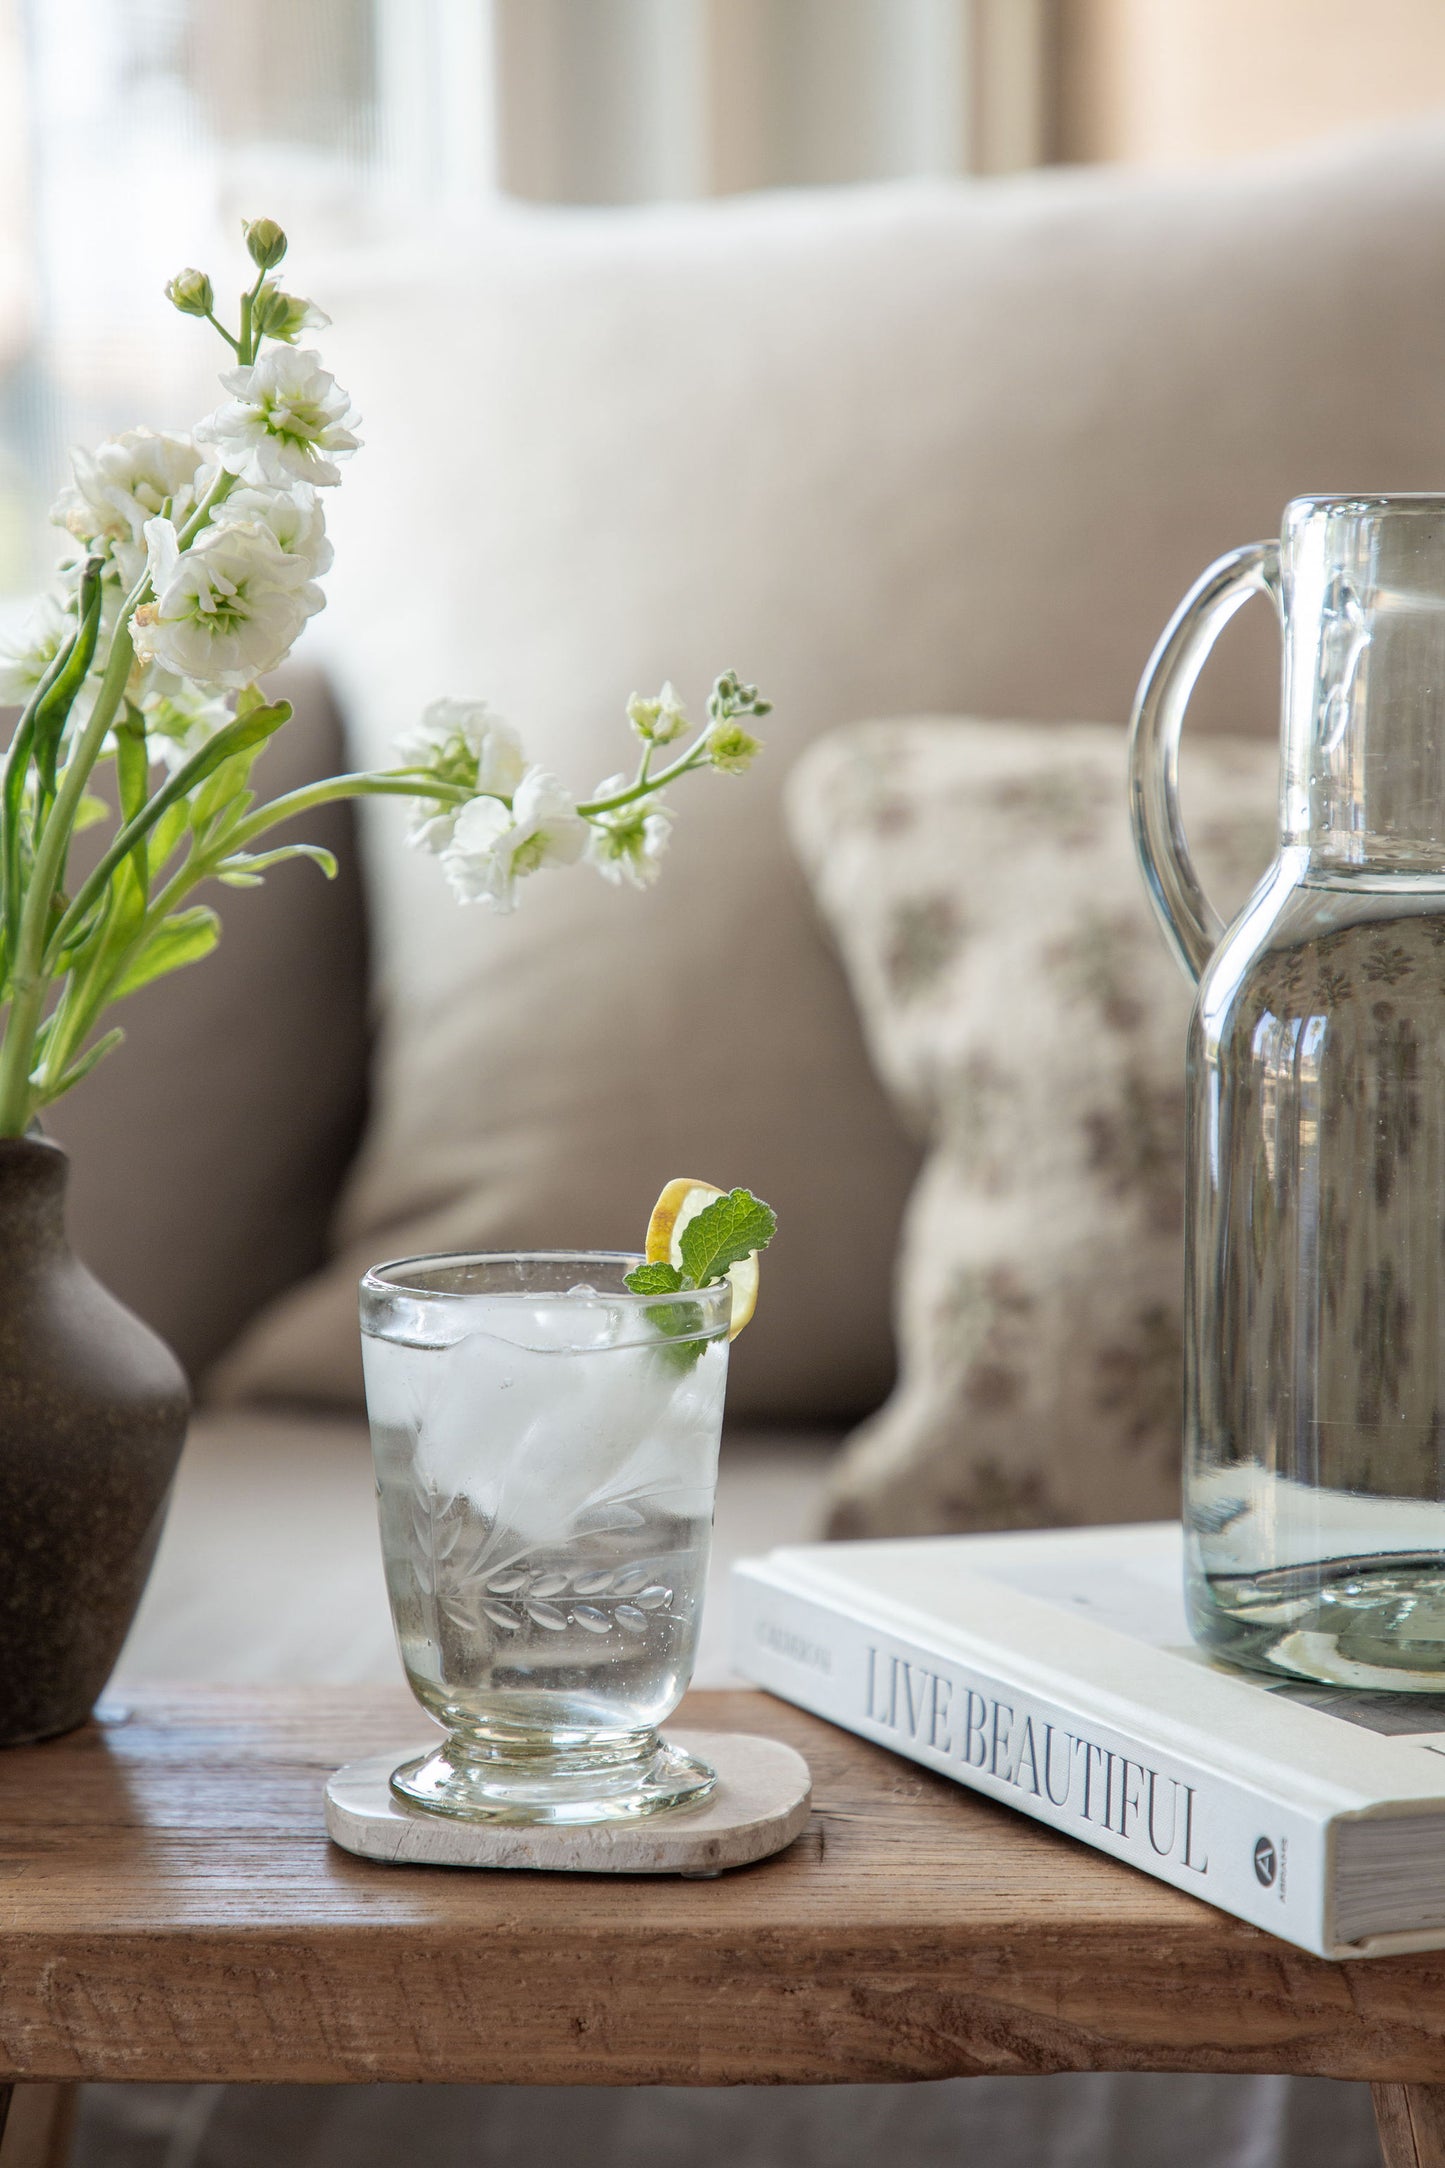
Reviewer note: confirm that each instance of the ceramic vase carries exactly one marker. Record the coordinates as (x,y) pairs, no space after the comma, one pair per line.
(93,1410)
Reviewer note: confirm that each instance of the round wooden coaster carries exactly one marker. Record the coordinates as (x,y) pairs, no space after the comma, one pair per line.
(759,1804)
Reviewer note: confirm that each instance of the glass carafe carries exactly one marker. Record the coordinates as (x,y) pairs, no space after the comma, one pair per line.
(1314,1503)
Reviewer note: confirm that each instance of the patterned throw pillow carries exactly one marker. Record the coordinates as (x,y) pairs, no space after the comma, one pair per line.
(1021,1007)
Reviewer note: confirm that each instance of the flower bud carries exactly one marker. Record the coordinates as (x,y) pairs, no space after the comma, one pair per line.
(191,292)
(278,315)
(730,697)
(731,748)
(266,242)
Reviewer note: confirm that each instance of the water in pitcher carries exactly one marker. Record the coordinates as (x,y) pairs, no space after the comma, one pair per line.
(1316,1396)
(545,1480)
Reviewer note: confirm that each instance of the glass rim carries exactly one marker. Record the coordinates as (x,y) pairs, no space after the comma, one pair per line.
(378,1279)
(1367,500)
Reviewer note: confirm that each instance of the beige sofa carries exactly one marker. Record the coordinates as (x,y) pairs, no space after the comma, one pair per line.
(971,443)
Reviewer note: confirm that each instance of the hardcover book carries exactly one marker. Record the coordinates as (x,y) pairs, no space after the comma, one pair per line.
(1055,1673)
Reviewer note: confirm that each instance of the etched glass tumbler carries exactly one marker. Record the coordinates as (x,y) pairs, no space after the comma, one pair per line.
(546,1456)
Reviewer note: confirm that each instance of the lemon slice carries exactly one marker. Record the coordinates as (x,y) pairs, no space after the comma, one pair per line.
(680,1202)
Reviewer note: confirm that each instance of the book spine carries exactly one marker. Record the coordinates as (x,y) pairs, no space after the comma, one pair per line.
(1180,1819)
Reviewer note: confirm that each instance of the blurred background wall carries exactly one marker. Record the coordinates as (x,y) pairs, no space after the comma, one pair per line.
(1177,82)
(134,134)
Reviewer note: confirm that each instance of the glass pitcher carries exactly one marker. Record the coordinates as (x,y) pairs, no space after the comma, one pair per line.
(1314,1496)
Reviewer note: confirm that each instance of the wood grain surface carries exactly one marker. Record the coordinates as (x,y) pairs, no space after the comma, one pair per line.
(1411,2123)
(171,1909)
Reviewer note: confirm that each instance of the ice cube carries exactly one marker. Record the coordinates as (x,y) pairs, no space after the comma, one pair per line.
(541,1441)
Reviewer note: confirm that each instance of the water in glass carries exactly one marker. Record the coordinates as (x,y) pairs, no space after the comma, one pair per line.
(545,1462)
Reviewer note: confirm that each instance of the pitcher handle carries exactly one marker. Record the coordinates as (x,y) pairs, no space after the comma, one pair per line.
(1191,924)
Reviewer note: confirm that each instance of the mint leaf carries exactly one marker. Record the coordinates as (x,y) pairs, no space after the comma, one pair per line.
(683,1327)
(680,1323)
(724,1233)
(663,1279)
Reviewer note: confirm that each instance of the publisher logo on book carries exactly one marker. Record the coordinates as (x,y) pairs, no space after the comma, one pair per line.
(1266,1862)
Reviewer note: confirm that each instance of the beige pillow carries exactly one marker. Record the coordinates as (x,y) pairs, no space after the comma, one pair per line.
(1020,1003)
(942,446)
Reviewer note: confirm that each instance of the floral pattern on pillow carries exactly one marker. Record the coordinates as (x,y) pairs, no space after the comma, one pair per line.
(1020,1005)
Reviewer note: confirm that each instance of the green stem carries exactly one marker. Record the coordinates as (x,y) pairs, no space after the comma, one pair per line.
(68,1025)
(212,318)
(127,838)
(220,489)
(312,795)
(12,792)
(29,980)
(247,344)
(645,786)
(83,1011)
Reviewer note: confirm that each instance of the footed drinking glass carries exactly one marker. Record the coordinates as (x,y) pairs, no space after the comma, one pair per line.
(546,1457)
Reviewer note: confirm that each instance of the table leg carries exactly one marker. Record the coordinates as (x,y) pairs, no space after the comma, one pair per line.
(1410,2120)
(36,2125)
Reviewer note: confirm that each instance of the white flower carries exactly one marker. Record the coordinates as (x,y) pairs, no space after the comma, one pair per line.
(25,660)
(628,845)
(294,516)
(492,848)
(124,483)
(180,720)
(227,609)
(658,721)
(287,414)
(458,741)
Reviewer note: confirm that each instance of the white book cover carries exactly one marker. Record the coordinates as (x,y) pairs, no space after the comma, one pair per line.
(1055,1672)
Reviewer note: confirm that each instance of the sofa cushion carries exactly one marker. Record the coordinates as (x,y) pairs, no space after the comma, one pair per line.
(935,446)
(1022,1006)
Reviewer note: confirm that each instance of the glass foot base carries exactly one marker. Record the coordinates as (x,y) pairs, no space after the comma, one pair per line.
(1373,1624)
(556,1789)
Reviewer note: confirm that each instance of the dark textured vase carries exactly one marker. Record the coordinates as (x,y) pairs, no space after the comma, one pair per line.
(93,1410)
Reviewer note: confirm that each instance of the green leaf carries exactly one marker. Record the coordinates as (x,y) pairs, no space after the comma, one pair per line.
(183,938)
(89,812)
(684,1331)
(224,766)
(226,783)
(132,765)
(89,1060)
(132,774)
(243,868)
(681,1324)
(168,832)
(55,703)
(654,1279)
(254,725)
(724,1233)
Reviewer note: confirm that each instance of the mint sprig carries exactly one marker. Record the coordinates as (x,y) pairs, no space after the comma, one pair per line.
(723,1234)
(726,1231)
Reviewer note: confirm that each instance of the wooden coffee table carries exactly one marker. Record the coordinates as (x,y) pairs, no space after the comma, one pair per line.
(171,1909)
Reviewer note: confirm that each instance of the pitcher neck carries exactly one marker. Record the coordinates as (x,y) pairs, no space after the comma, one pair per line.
(1362,594)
